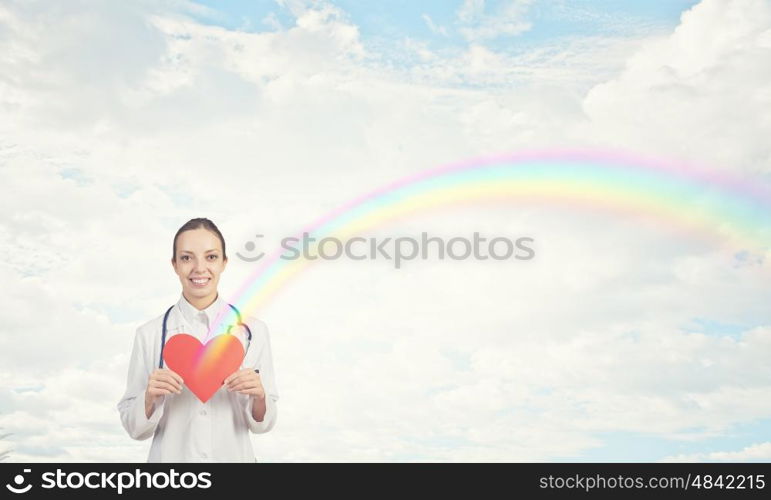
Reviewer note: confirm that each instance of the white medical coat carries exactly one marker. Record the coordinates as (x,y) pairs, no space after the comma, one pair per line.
(184,429)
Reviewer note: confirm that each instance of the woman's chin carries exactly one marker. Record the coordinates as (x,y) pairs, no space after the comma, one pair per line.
(200,292)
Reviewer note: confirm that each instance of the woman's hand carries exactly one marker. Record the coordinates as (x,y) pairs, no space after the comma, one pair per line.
(246,381)
(162,381)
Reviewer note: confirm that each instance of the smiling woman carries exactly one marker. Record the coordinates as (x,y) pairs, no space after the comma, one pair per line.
(202,259)
(159,403)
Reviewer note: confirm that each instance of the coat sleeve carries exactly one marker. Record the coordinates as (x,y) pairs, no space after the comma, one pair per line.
(132,404)
(260,357)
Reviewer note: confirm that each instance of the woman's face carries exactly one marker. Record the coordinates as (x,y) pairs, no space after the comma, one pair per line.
(199,263)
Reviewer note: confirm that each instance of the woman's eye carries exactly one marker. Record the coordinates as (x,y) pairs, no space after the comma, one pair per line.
(214,257)
(185,257)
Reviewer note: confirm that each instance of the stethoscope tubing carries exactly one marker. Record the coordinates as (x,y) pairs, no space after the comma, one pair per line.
(166,317)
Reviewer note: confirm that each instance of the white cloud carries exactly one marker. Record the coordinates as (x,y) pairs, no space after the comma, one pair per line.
(477,23)
(754,452)
(702,88)
(439,30)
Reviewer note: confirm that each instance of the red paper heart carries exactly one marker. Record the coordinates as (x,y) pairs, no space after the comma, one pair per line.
(203,367)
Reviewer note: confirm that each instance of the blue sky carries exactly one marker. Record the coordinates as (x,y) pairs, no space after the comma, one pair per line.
(639,447)
(395,19)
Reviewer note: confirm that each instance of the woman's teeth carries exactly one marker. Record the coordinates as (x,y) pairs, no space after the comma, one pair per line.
(200,281)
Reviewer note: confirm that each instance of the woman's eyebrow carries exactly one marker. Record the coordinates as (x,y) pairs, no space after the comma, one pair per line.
(207,251)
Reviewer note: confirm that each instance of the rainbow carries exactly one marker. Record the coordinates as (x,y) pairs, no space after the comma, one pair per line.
(696,200)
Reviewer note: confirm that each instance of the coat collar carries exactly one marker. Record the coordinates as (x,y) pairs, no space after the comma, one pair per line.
(190,312)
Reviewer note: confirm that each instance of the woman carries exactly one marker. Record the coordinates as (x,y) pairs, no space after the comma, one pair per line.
(157,403)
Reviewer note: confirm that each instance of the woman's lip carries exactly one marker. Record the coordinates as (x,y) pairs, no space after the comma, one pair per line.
(200,284)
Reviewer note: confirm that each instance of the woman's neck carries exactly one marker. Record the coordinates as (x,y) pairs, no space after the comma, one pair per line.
(202,302)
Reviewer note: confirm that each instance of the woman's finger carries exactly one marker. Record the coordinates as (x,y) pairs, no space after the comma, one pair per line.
(166,383)
(176,375)
(235,375)
(236,387)
(248,384)
(168,375)
(159,392)
(157,384)
(171,380)
(244,379)
(254,391)
(165,374)
(237,378)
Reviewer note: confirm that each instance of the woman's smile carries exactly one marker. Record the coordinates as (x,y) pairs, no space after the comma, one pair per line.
(200,282)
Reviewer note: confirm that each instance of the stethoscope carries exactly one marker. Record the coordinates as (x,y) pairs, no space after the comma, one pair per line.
(238,314)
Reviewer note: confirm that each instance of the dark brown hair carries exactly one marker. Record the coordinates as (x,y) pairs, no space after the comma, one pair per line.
(198,223)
